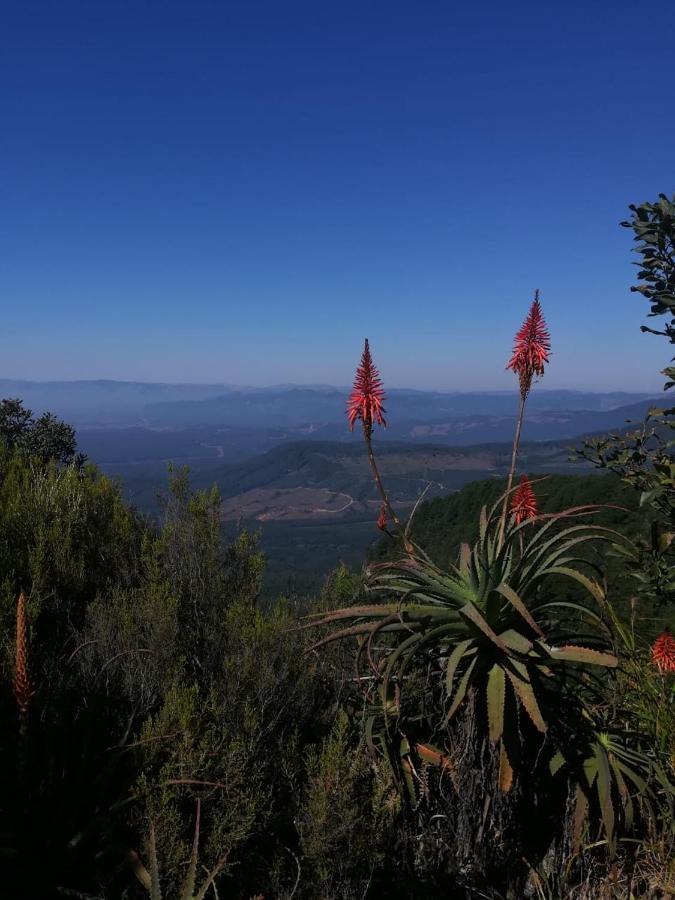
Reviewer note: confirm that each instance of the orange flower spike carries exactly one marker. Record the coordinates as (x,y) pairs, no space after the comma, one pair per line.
(382,519)
(663,652)
(523,501)
(531,347)
(365,400)
(22,687)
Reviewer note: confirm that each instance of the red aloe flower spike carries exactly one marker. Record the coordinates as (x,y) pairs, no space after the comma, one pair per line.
(365,400)
(531,347)
(22,686)
(382,518)
(523,501)
(663,652)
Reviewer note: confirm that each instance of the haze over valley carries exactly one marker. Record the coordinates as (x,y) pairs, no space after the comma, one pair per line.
(286,464)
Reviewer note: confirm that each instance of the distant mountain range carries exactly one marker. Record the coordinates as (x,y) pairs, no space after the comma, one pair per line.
(314,407)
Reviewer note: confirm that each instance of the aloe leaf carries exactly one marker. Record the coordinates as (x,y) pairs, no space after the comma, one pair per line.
(506,591)
(139,870)
(575,607)
(632,775)
(584,533)
(514,640)
(407,767)
(580,812)
(496,690)
(453,661)
(525,693)
(365,628)
(591,586)
(350,612)
(604,782)
(556,763)
(460,693)
(573,653)
(433,636)
(470,612)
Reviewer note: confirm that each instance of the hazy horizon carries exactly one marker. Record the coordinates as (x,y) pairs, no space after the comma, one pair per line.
(507,389)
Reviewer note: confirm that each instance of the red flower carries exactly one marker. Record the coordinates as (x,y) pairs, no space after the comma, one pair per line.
(365,401)
(523,501)
(663,652)
(382,519)
(531,347)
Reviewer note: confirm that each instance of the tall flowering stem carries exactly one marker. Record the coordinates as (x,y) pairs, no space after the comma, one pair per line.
(366,403)
(531,348)
(23,690)
(22,686)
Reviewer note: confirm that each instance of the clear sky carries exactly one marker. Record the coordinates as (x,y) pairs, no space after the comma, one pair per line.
(241,191)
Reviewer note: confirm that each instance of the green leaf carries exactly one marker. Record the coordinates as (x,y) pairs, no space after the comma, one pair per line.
(460,694)
(556,763)
(453,661)
(470,612)
(605,793)
(572,653)
(506,591)
(591,586)
(525,693)
(514,640)
(496,691)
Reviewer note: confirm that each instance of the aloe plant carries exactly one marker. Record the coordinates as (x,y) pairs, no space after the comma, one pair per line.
(489,628)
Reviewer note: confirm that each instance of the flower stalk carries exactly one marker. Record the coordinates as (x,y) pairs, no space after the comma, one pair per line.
(366,403)
(23,690)
(531,348)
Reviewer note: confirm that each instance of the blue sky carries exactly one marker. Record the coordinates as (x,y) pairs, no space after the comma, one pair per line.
(241,191)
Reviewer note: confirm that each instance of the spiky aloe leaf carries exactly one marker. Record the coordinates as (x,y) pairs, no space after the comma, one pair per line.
(604,788)
(496,693)
(514,640)
(556,763)
(580,813)
(413,645)
(583,611)
(506,591)
(453,662)
(572,653)
(624,793)
(134,862)
(518,676)
(408,772)
(470,612)
(460,693)
(591,586)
